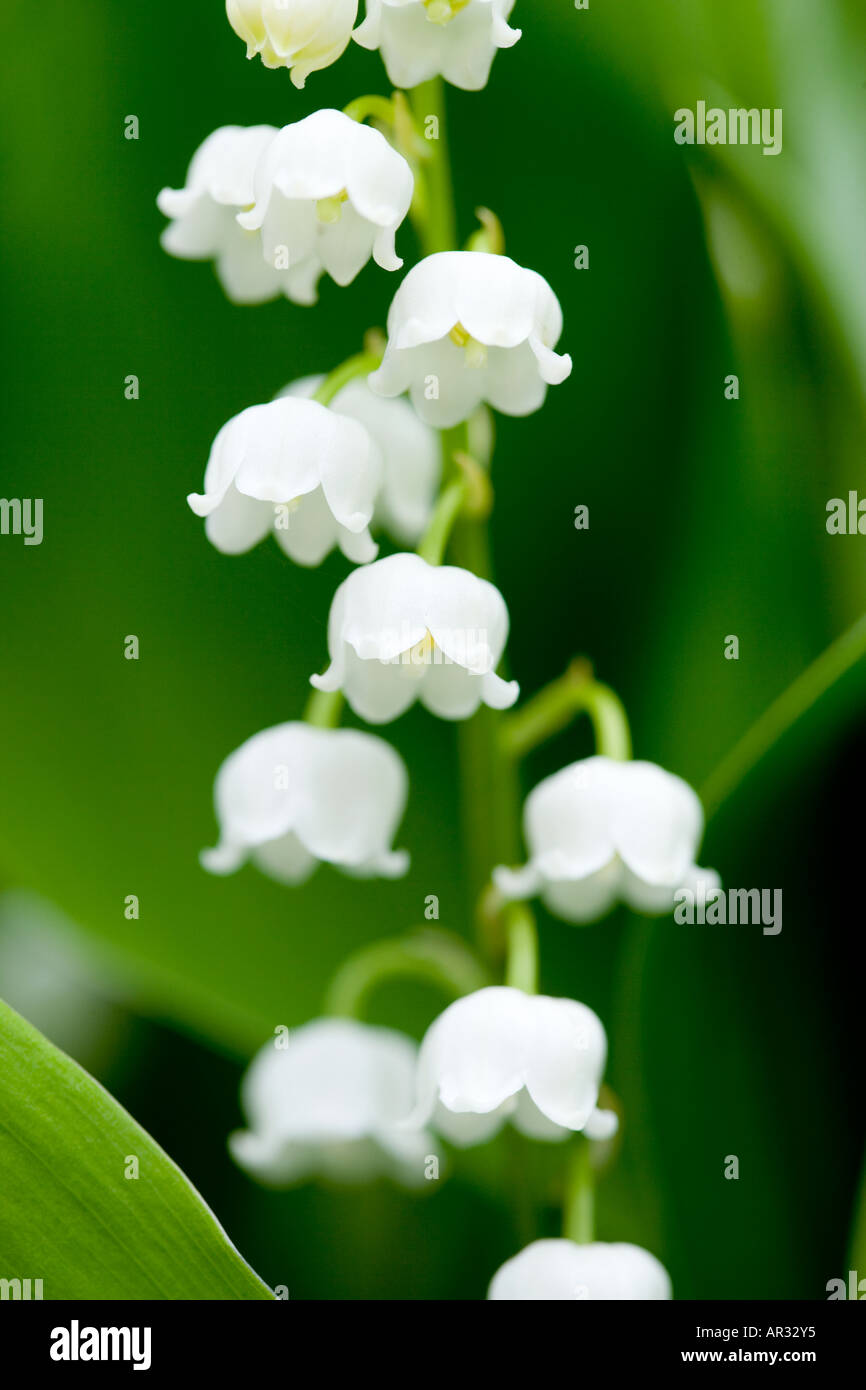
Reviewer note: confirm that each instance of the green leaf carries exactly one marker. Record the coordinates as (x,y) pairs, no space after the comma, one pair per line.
(70,1215)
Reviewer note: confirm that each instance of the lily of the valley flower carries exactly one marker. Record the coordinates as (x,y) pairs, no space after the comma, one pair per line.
(294,795)
(561,1270)
(219,184)
(420,39)
(329,193)
(410,450)
(601,831)
(402,629)
(469,326)
(330,1103)
(500,1054)
(302,35)
(295,468)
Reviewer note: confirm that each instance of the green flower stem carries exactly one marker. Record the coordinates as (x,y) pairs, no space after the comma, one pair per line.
(521,937)
(435,540)
(380,108)
(490,793)
(857,1254)
(324,709)
(553,709)
(429,955)
(362,364)
(578,1213)
(435,221)
(783,713)
(489,236)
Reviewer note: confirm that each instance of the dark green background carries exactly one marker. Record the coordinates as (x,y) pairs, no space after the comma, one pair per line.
(707,518)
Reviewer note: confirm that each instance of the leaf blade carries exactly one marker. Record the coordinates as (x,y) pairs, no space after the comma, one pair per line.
(69,1214)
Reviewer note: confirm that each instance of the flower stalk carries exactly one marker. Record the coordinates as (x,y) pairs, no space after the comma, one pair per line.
(361,365)
(554,708)
(430,956)
(578,1217)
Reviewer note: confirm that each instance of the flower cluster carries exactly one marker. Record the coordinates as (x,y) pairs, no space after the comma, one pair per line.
(328,462)
(277,209)
(418,39)
(602,831)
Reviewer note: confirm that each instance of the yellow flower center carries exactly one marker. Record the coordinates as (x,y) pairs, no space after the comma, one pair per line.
(330,210)
(443,11)
(475,352)
(414,661)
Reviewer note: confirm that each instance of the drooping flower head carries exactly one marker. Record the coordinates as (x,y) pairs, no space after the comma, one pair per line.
(301,35)
(294,795)
(410,450)
(204,226)
(298,469)
(329,1103)
(601,831)
(329,193)
(561,1270)
(499,1055)
(470,326)
(402,629)
(420,39)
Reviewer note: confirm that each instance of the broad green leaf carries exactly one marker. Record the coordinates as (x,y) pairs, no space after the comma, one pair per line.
(72,1217)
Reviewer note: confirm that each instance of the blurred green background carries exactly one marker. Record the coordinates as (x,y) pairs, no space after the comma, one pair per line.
(707,518)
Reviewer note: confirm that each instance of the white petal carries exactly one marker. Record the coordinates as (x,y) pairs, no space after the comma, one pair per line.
(383,612)
(345,247)
(244,275)
(203,230)
(473,1057)
(312,531)
(450,692)
(302,35)
(285,859)
(485,1048)
(340,793)
(376,692)
(357,546)
(223,167)
(657,822)
(501,305)
(560,1270)
(567,819)
(466,617)
(238,523)
(586,899)
(529,1120)
(497,301)
(414,50)
(323,156)
(566,1056)
(466,1129)
(410,452)
(513,385)
(332,1101)
(278,453)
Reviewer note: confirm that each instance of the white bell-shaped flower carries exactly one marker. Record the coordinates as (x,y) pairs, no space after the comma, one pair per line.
(329,193)
(561,1270)
(327,1100)
(402,629)
(420,39)
(298,469)
(469,326)
(294,795)
(410,450)
(204,226)
(499,1055)
(301,35)
(603,831)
